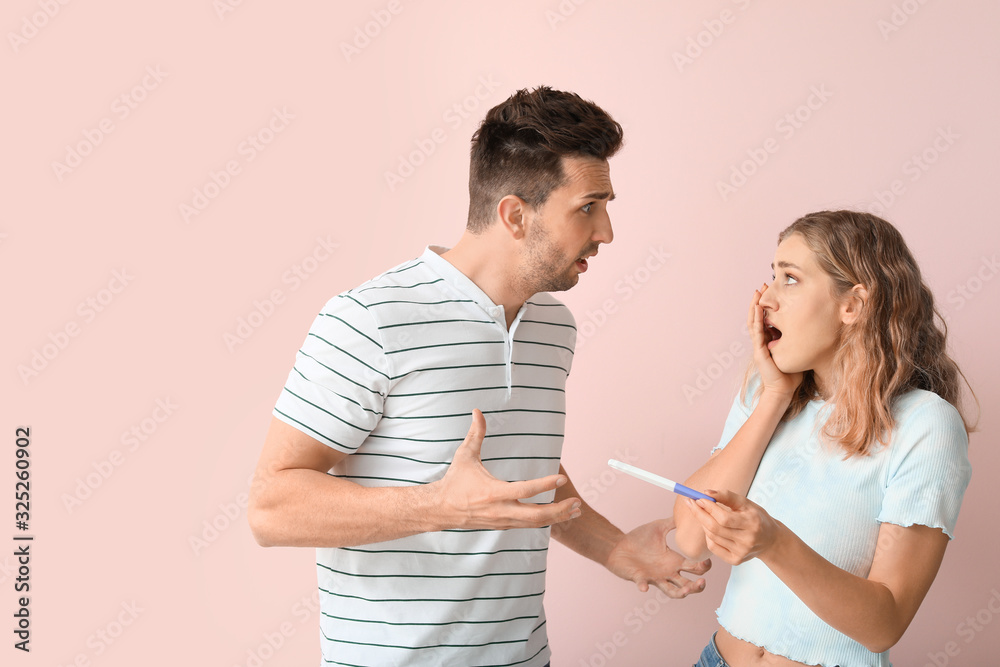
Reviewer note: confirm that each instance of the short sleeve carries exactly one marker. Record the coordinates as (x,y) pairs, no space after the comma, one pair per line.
(337,387)
(568,356)
(929,467)
(738,415)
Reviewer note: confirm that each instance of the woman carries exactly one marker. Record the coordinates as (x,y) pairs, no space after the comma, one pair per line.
(843,462)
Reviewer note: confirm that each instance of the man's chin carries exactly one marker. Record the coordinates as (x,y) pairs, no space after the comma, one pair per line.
(561,285)
(567,284)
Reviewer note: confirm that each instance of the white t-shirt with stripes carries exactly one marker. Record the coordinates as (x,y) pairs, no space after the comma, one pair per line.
(390,373)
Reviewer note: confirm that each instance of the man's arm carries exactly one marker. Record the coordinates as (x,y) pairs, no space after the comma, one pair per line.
(294,502)
(641,556)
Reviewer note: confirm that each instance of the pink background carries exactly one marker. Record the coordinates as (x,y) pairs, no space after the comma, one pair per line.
(889,91)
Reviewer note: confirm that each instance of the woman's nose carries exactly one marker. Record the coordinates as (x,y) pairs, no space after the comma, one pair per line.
(767,299)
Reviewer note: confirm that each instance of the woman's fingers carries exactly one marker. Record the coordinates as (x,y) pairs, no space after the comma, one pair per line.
(752,310)
(727,499)
(755,324)
(754,307)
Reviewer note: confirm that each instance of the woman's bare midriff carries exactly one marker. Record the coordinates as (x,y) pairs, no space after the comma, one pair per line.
(739,653)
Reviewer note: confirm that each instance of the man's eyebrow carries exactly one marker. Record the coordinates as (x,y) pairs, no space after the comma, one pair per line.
(786,265)
(610,196)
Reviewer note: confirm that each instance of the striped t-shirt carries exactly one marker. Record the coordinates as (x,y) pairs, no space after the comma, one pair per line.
(390,373)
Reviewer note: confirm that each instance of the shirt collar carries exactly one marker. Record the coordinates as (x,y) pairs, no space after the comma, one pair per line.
(461,282)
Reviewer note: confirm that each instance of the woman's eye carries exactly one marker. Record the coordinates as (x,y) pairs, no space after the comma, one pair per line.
(790,280)
(586,208)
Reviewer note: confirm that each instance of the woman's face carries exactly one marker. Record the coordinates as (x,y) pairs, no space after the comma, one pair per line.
(802,317)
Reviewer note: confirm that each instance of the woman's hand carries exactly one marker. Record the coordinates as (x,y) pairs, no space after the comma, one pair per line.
(771,377)
(736,529)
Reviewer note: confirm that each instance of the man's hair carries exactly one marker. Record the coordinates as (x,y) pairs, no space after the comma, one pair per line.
(519,146)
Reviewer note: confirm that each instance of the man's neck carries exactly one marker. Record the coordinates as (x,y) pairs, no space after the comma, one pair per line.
(487,262)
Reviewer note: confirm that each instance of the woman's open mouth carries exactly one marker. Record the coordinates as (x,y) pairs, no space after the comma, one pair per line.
(772,334)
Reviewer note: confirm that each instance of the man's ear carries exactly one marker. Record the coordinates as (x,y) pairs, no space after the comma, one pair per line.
(512,211)
(854,304)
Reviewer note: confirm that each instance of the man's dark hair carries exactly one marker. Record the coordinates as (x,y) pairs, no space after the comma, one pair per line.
(519,146)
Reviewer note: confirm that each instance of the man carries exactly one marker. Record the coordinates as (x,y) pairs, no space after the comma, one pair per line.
(431,548)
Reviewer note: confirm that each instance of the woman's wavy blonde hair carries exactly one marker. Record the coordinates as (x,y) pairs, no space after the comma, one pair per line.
(898,342)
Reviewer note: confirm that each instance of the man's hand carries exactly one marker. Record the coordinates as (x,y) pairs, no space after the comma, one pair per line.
(643,556)
(470,497)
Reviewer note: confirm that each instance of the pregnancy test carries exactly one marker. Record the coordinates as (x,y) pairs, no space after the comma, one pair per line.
(663,482)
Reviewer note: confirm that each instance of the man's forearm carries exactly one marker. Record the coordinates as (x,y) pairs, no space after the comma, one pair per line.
(307,508)
(294,502)
(590,534)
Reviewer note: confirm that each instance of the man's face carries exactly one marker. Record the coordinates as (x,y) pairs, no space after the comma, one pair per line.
(569,227)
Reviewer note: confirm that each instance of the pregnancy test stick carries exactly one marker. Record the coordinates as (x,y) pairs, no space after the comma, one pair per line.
(663,482)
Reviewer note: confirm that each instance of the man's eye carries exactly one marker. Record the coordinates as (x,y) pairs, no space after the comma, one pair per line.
(586,208)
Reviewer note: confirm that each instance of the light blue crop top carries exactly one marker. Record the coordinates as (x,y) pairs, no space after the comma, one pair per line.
(836,507)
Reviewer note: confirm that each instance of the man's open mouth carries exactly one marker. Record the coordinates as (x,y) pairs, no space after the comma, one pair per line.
(582,263)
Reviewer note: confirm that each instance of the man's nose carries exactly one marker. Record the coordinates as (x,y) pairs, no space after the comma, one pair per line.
(604,232)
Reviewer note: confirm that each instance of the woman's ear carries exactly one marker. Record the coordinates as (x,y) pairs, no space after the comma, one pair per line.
(854,303)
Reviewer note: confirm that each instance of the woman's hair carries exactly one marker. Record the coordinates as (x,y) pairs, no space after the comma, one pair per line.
(519,146)
(894,346)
